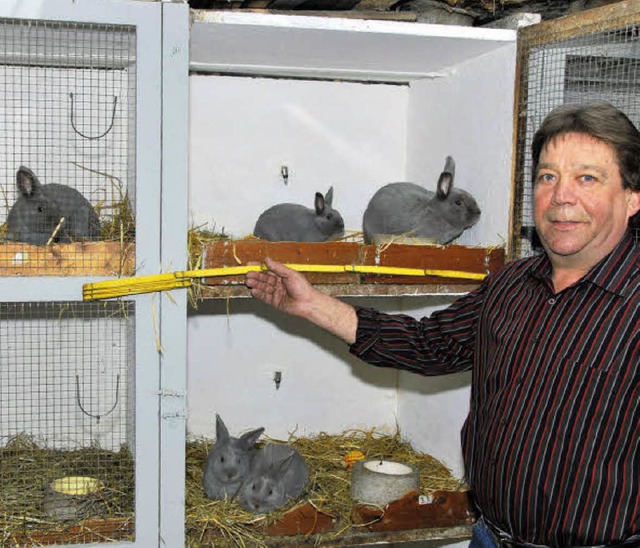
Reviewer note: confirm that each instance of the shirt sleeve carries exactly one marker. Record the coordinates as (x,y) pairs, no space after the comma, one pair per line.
(436,345)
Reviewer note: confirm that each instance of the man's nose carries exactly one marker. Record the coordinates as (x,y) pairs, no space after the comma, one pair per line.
(564,191)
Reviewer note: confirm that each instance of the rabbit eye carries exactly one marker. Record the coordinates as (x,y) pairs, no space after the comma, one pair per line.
(271,491)
(221,459)
(458,201)
(40,209)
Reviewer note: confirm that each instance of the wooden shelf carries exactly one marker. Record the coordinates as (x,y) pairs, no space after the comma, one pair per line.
(476,260)
(448,515)
(350,290)
(359,539)
(107,258)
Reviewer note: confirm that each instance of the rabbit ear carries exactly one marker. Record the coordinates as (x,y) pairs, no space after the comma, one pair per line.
(284,464)
(445,182)
(28,183)
(320,203)
(249,439)
(328,197)
(450,167)
(221,429)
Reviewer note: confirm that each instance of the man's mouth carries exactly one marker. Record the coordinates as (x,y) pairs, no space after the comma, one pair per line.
(564,224)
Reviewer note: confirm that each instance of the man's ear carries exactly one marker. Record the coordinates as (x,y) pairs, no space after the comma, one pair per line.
(633,203)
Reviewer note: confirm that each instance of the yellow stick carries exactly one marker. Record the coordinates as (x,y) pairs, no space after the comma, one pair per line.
(174,280)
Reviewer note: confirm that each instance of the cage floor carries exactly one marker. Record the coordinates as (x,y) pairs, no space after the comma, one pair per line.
(27,517)
(326,515)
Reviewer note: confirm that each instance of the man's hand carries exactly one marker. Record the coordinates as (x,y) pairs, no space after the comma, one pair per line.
(280,287)
(289,291)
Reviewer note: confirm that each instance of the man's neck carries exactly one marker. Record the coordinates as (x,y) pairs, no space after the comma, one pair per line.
(563,277)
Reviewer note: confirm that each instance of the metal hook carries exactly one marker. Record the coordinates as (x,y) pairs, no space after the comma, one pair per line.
(113,117)
(277,379)
(97,417)
(284,173)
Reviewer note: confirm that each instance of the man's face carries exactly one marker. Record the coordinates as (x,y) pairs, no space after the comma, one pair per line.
(581,209)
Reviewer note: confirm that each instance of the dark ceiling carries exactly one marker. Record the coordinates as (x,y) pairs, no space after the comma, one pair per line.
(461,12)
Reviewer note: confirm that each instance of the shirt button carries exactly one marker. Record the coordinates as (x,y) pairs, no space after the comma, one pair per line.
(552,301)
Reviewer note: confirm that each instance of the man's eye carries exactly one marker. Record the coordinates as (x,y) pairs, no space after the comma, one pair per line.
(588,178)
(545,177)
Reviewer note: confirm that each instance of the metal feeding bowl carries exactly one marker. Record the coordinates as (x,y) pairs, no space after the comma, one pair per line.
(73,497)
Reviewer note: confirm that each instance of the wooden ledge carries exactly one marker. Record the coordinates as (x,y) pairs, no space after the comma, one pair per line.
(462,259)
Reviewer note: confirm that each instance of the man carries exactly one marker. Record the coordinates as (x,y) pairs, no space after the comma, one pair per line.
(552,441)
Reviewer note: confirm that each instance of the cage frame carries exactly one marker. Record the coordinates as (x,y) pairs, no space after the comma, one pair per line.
(160,149)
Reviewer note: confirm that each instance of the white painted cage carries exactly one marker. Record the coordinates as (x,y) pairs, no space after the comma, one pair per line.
(353,104)
(82,414)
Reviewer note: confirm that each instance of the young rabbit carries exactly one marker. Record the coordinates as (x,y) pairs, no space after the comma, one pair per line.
(37,212)
(228,461)
(296,223)
(278,474)
(407,208)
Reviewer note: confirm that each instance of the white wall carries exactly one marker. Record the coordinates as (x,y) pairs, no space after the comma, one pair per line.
(232,361)
(476,129)
(468,115)
(351,136)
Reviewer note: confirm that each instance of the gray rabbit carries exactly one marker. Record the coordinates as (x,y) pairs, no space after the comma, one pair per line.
(297,223)
(407,208)
(228,461)
(278,475)
(38,210)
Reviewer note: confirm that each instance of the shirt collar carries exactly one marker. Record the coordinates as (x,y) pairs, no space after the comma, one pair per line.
(611,274)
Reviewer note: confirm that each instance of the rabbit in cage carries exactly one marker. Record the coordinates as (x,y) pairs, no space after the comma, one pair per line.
(228,461)
(297,223)
(407,208)
(36,216)
(278,475)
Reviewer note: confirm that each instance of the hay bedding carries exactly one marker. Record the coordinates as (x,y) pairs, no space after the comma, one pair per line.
(26,469)
(329,489)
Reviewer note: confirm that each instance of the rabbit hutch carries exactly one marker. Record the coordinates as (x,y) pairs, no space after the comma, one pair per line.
(284,107)
(281,108)
(83,117)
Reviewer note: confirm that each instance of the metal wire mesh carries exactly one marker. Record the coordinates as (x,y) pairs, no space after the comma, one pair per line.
(575,60)
(67,112)
(67,411)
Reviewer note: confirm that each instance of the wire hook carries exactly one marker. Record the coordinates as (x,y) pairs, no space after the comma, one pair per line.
(97,417)
(113,117)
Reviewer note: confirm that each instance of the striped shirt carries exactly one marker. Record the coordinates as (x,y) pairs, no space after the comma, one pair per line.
(552,441)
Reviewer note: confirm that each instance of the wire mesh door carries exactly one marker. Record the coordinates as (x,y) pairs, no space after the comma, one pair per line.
(66,422)
(77,379)
(67,148)
(594,55)
(67,368)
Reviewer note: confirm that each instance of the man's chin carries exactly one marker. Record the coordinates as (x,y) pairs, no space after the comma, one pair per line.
(562,247)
